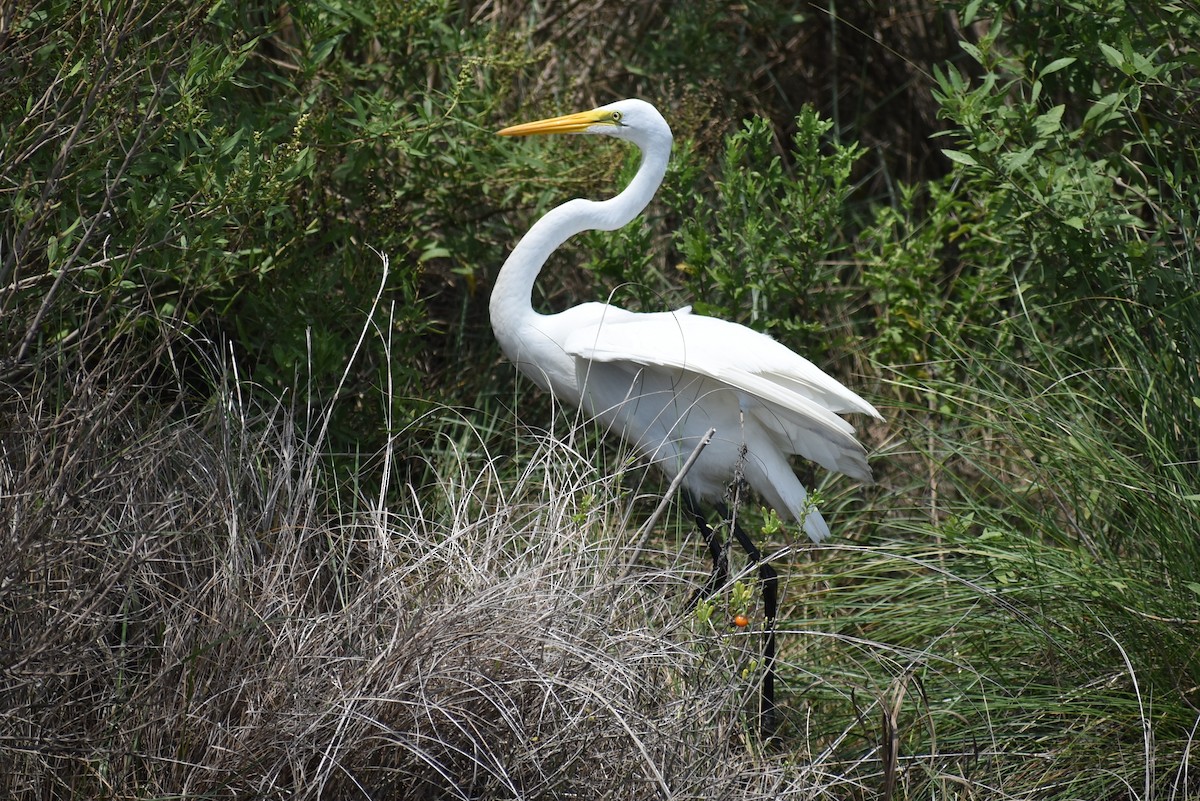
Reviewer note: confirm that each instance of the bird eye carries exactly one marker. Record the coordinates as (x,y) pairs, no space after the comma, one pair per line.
(616,116)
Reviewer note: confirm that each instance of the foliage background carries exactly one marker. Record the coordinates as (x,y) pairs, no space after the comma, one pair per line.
(220,403)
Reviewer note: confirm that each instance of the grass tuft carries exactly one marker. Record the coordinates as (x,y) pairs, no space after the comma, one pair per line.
(185,619)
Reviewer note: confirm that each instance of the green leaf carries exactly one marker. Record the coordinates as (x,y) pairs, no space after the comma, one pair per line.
(1143,66)
(960,157)
(433,252)
(1049,122)
(230,143)
(1104,108)
(1017,160)
(972,51)
(324,48)
(1058,64)
(1113,56)
(970,11)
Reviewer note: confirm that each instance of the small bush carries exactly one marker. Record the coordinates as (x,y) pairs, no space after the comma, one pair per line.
(187,617)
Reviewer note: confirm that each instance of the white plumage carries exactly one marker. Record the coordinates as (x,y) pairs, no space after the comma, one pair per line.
(662,380)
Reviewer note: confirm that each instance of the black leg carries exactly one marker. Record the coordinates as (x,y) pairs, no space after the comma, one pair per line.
(720,562)
(769,582)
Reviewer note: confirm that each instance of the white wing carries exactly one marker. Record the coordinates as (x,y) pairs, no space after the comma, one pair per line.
(783,392)
(719,349)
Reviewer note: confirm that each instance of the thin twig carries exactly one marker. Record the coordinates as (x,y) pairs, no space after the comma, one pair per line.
(644,531)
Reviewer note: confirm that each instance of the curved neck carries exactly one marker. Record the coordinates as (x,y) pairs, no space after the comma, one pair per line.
(512,295)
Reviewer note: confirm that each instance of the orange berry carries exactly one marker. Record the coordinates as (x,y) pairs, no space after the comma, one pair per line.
(741,621)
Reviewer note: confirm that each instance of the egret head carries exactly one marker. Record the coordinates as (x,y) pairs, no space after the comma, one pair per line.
(634,120)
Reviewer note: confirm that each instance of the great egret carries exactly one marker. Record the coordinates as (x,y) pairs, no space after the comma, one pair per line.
(663,380)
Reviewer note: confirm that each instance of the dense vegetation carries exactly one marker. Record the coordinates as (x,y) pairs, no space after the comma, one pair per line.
(278,521)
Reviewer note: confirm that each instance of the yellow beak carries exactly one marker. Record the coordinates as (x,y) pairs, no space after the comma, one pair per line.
(569,123)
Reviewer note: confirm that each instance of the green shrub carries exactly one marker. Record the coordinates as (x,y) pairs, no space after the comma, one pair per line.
(1029,578)
(234,170)
(759,243)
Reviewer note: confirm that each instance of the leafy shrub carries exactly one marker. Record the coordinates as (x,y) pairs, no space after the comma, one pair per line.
(759,244)
(1039,309)
(230,169)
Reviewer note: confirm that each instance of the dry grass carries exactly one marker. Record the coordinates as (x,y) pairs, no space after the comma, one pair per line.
(185,616)
(194,607)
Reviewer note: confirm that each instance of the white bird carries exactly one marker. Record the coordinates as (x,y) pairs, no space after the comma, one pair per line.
(662,380)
